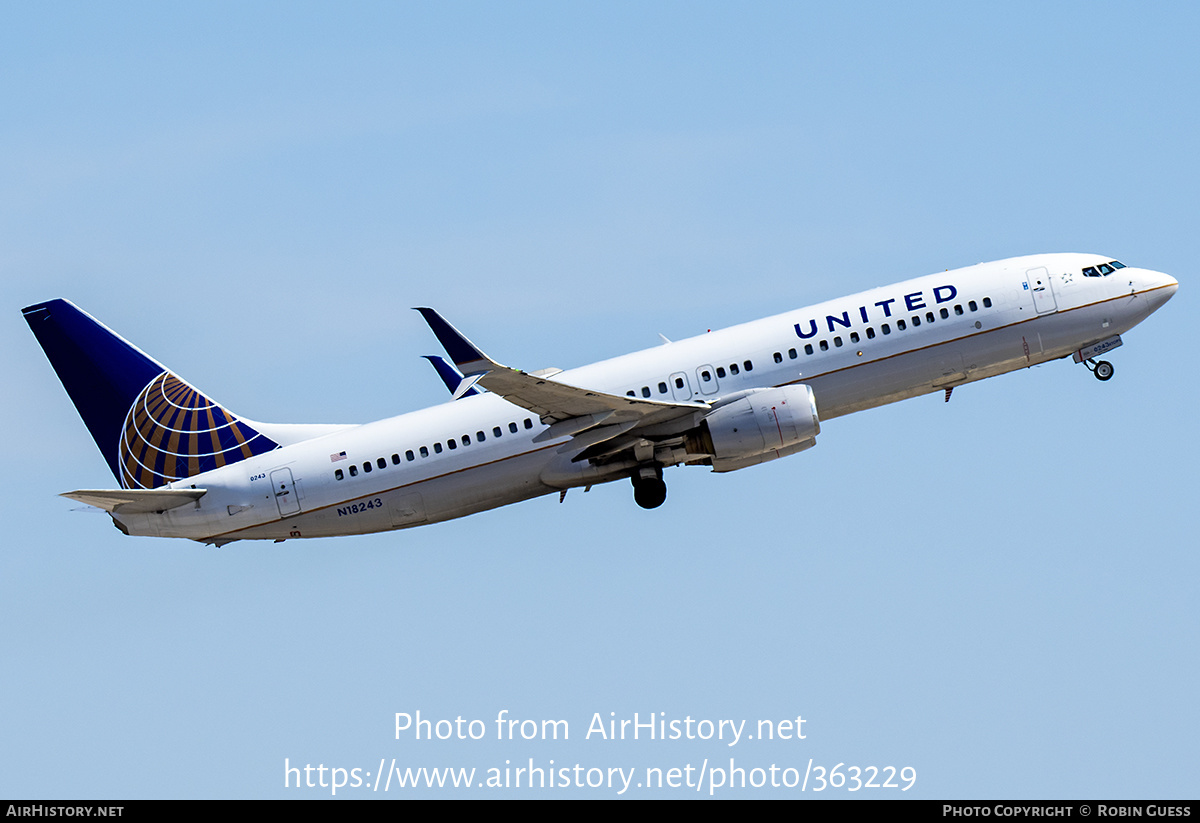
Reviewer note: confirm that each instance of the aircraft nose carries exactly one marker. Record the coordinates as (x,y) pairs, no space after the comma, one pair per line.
(1159,288)
(1164,283)
(1170,284)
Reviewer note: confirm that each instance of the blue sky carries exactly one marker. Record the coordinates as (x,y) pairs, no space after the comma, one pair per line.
(998,591)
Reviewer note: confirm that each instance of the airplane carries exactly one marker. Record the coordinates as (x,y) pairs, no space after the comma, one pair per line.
(729,399)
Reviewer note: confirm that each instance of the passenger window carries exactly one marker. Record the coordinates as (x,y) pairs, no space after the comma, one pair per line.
(395,460)
(929,316)
(381,463)
(972,305)
(480,436)
(337,474)
(367,466)
(885,328)
(512,427)
(900,325)
(354,471)
(778,357)
(720,371)
(706,376)
(496,431)
(645,391)
(987,302)
(916,321)
(808,349)
(437,448)
(837,341)
(945,313)
(528,423)
(958,308)
(870,333)
(733,369)
(662,387)
(424,451)
(853,337)
(452,444)
(679,382)
(630,393)
(792,354)
(748,365)
(824,345)
(409,456)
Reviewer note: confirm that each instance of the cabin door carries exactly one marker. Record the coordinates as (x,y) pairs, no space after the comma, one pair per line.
(1043,293)
(284,489)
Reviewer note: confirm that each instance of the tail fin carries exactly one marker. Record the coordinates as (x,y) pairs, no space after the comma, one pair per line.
(150,425)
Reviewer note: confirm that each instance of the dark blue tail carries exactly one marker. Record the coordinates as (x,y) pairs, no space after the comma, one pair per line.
(151,426)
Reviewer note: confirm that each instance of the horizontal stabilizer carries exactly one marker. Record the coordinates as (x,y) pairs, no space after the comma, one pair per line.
(136,501)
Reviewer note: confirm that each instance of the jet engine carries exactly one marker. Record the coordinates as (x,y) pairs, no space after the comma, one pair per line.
(758,426)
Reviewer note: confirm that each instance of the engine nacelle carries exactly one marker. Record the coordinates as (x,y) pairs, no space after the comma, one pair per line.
(761,425)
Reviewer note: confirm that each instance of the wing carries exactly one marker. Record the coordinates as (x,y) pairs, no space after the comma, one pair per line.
(567,409)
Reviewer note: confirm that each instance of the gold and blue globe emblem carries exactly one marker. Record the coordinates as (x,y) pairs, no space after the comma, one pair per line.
(173,431)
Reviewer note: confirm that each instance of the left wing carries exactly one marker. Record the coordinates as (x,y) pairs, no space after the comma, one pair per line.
(567,409)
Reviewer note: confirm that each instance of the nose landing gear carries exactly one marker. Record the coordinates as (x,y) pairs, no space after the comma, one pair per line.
(649,490)
(1101,368)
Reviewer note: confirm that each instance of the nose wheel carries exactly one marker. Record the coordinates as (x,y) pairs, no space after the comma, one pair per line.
(649,490)
(1101,368)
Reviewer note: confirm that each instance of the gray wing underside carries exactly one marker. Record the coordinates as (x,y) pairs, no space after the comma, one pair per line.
(553,401)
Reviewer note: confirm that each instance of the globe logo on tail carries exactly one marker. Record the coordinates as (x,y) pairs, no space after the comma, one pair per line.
(172,431)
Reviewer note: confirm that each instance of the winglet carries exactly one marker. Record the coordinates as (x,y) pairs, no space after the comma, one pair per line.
(465,354)
(458,385)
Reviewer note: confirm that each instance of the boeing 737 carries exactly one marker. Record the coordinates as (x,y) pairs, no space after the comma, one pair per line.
(188,467)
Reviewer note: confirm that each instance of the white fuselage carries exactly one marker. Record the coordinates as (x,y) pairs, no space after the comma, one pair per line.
(867,350)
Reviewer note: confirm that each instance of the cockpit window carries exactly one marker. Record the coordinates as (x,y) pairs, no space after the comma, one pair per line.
(1104,269)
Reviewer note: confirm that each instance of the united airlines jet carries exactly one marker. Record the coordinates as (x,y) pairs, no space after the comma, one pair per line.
(729,399)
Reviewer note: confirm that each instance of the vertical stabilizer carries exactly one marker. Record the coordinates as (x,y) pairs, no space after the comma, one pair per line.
(151,426)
